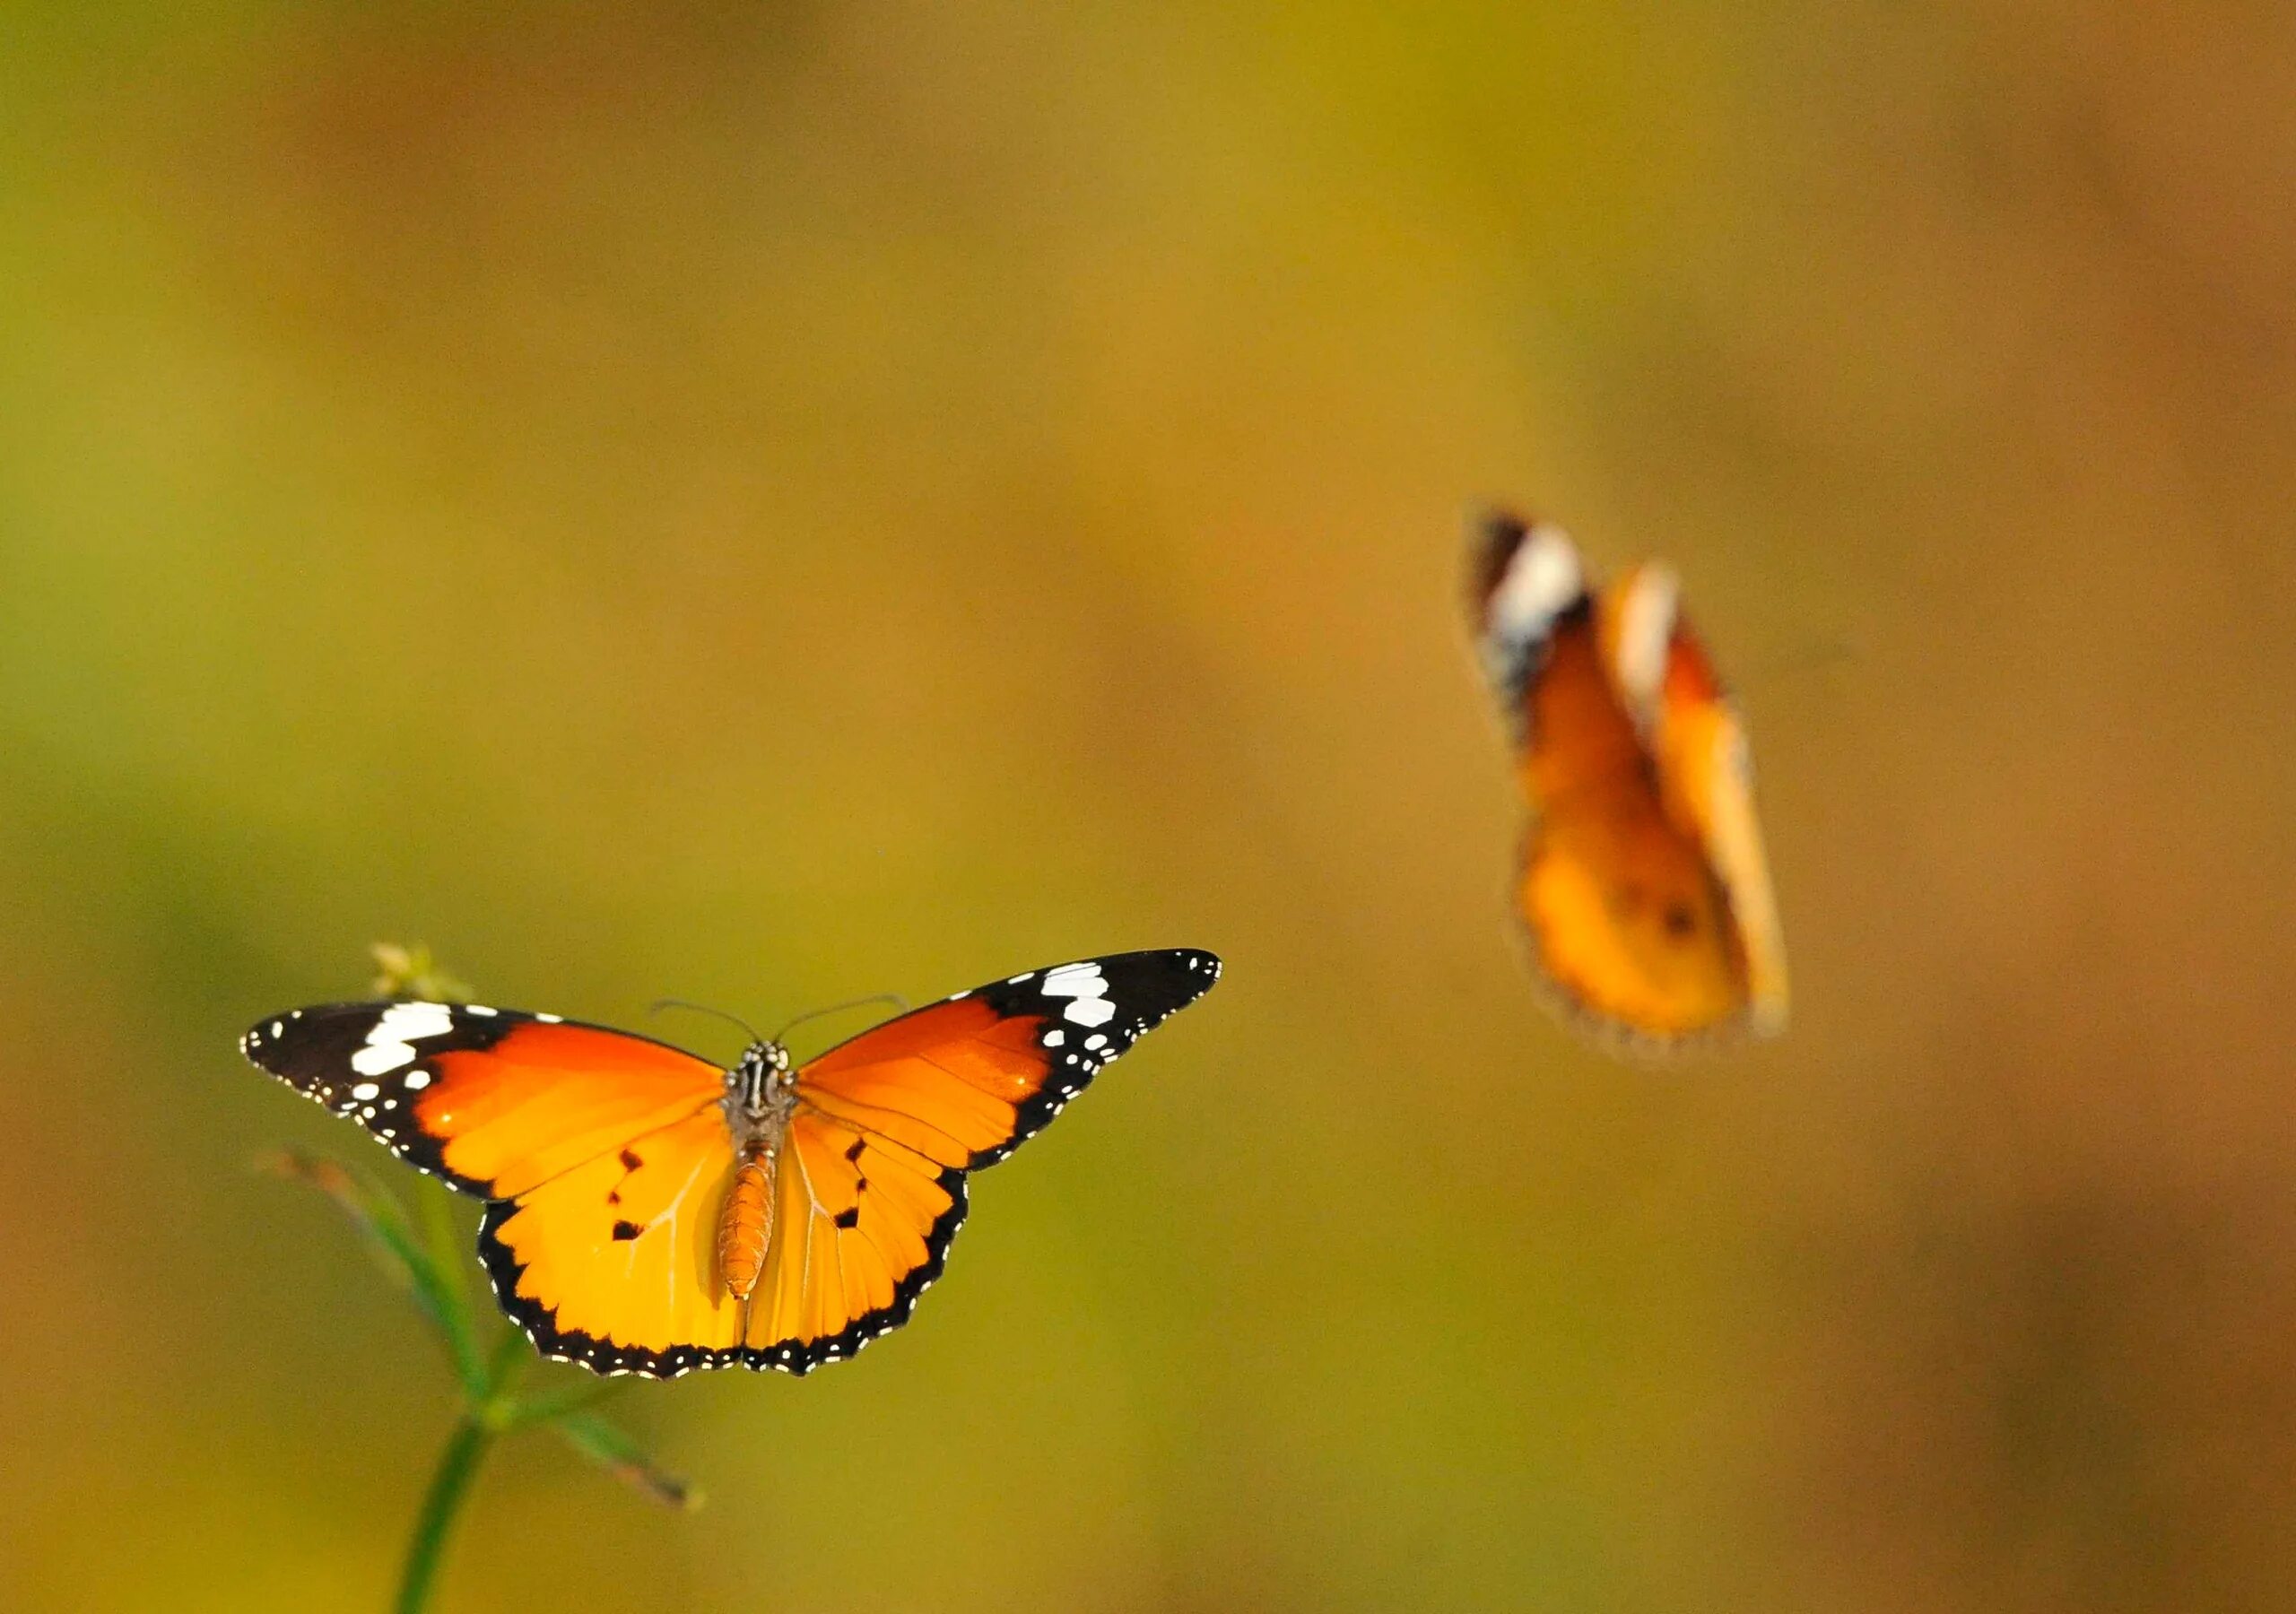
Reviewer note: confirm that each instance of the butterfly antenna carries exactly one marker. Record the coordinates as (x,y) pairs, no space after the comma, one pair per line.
(894,998)
(658,1005)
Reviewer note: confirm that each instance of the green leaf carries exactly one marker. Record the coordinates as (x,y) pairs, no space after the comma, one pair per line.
(611,1449)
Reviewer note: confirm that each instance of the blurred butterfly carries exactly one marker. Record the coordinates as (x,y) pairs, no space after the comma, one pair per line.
(650,1213)
(1643,881)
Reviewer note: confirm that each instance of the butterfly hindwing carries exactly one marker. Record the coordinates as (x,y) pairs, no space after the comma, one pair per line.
(861,1227)
(614,1263)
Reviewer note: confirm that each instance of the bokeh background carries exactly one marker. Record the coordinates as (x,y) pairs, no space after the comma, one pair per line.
(783,502)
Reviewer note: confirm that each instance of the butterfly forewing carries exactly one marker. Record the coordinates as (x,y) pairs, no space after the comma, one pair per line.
(494,1100)
(966,1081)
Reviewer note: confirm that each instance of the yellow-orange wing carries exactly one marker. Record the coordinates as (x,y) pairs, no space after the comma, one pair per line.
(870,1184)
(613,1264)
(606,1155)
(1704,766)
(1642,882)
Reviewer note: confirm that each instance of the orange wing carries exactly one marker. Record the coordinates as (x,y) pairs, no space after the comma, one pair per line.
(1646,908)
(871,1179)
(1704,766)
(494,1100)
(613,1264)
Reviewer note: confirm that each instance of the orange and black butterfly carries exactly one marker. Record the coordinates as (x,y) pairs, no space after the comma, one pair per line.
(1643,881)
(650,1213)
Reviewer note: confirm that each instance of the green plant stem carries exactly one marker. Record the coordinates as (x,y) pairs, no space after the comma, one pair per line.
(485,1416)
(442,1505)
(448,1253)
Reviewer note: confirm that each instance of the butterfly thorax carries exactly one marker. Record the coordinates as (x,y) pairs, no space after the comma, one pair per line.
(760,1092)
(759,1096)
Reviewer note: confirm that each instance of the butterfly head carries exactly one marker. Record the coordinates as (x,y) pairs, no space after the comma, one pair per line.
(759,1085)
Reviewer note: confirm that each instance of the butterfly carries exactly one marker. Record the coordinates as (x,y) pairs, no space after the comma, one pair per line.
(650,1212)
(1643,881)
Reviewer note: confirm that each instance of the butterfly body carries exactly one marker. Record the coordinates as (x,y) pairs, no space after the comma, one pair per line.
(652,1212)
(745,1228)
(759,1099)
(1643,883)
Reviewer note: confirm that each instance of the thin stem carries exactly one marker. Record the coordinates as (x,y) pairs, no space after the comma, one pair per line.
(487,1413)
(442,1505)
(434,1209)
(504,1369)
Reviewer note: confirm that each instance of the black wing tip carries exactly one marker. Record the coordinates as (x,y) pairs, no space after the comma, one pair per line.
(1188,972)
(1151,986)
(1494,532)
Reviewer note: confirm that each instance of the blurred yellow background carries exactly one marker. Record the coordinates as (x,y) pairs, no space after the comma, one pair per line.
(772,504)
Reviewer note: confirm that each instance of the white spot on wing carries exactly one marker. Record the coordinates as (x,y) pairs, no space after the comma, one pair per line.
(379,1059)
(1646,627)
(389,1044)
(1088,986)
(1540,581)
(1090,1011)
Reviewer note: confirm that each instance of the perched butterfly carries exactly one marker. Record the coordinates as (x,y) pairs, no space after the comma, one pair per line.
(1643,881)
(650,1213)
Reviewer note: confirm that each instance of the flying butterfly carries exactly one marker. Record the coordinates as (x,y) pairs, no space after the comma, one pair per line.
(1643,882)
(650,1213)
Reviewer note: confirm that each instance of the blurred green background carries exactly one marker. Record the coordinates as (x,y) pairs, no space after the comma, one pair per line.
(774,504)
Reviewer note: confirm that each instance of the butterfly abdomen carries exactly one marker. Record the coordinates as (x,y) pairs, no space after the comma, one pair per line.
(746,1226)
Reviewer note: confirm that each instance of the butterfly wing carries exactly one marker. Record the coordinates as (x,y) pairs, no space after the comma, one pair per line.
(1704,765)
(871,1181)
(494,1100)
(861,1225)
(1627,911)
(613,1264)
